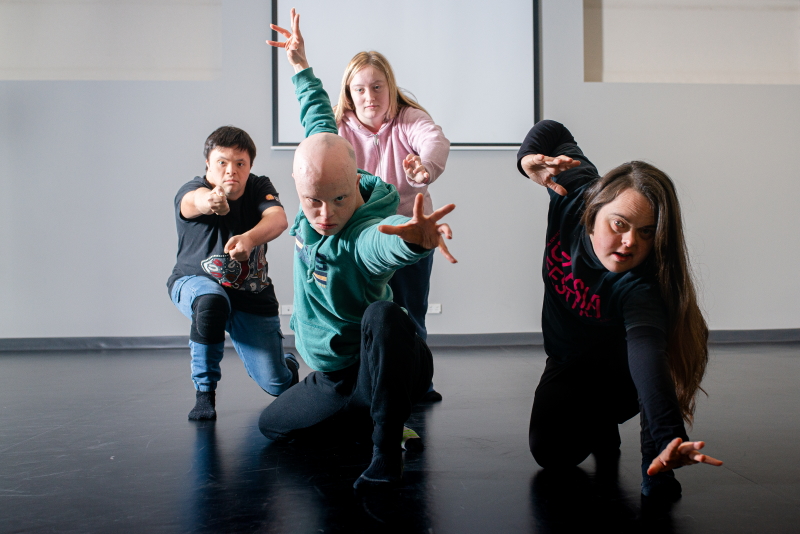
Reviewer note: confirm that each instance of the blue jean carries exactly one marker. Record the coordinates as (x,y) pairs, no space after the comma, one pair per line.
(257,339)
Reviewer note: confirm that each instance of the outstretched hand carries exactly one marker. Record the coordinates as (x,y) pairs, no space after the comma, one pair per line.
(294,45)
(415,170)
(679,453)
(424,230)
(541,169)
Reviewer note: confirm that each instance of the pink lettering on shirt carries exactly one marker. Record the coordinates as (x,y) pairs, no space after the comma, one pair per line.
(574,291)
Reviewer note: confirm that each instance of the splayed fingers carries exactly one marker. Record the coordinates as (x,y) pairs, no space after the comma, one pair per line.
(294,45)
(424,230)
(678,453)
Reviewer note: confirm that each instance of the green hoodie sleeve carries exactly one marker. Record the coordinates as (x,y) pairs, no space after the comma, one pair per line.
(378,253)
(316,113)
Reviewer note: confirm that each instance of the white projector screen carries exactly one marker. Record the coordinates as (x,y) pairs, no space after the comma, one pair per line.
(469,63)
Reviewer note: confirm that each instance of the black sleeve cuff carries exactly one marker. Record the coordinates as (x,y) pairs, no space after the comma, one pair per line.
(416,249)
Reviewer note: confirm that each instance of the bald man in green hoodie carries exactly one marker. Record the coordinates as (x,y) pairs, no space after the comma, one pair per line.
(370,366)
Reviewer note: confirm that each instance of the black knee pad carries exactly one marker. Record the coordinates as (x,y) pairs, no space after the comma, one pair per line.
(209,317)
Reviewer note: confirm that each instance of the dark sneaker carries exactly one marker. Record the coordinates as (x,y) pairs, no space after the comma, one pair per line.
(662,487)
(294,367)
(431,396)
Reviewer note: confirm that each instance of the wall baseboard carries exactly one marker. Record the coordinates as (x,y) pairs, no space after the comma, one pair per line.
(43,344)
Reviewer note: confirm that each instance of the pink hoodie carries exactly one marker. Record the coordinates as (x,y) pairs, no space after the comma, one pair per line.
(412,131)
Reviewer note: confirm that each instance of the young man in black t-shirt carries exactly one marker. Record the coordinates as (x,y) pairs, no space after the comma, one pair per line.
(225,220)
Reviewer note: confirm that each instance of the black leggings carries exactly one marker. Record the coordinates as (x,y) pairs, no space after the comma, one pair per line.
(377,393)
(580,402)
(577,408)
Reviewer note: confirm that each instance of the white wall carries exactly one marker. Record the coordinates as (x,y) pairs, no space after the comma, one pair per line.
(730,149)
(90,170)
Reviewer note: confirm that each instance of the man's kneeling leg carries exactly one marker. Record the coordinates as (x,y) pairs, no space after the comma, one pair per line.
(305,409)
(206,343)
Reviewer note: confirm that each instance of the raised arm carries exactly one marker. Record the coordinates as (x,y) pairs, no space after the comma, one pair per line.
(538,158)
(541,169)
(295,46)
(316,113)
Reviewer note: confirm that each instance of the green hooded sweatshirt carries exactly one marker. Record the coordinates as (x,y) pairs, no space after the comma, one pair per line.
(336,277)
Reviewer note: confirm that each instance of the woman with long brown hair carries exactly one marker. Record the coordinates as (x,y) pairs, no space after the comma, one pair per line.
(622,329)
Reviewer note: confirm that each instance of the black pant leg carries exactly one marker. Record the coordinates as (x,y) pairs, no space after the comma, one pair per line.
(395,372)
(558,435)
(576,409)
(310,407)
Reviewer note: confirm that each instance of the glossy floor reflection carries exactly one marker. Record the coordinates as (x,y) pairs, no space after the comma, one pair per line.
(99,442)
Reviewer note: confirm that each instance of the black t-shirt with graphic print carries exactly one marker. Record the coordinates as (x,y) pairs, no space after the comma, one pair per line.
(201,243)
(590,312)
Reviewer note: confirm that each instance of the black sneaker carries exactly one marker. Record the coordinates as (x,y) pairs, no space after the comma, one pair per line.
(431,396)
(294,367)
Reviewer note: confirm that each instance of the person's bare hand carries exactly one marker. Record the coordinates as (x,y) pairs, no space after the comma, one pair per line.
(294,45)
(239,247)
(415,170)
(679,453)
(213,202)
(423,230)
(541,169)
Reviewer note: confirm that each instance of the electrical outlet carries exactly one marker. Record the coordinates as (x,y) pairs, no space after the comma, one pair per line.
(434,308)
(286,309)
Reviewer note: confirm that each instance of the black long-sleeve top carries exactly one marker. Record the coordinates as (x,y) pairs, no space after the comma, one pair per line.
(588,309)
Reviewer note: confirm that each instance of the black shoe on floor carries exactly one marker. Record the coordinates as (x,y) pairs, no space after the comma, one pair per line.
(204,407)
(294,367)
(662,487)
(431,396)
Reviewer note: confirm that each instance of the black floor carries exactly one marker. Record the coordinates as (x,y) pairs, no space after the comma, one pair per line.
(99,442)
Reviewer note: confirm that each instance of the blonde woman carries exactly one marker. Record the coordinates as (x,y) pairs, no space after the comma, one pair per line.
(394,138)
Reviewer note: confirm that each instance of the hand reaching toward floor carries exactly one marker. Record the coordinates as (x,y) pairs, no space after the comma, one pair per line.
(679,453)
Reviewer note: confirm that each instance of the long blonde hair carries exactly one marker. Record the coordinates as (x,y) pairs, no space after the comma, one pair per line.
(687,336)
(397,97)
